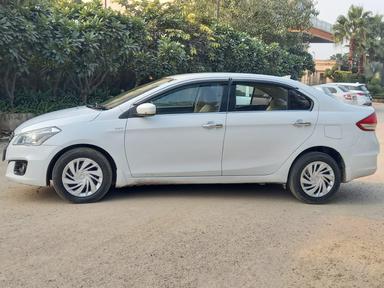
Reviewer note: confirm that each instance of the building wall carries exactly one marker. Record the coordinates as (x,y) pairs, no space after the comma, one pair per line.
(318,77)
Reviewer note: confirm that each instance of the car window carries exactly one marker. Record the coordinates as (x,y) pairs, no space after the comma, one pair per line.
(362,88)
(267,97)
(342,88)
(298,101)
(332,90)
(198,98)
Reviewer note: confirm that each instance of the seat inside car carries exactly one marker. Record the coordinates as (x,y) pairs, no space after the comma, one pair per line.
(208,99)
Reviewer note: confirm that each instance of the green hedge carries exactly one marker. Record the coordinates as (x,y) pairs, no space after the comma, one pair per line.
(56,54)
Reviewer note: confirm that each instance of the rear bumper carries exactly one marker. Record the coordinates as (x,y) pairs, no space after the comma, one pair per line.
(364,100)
(363,157)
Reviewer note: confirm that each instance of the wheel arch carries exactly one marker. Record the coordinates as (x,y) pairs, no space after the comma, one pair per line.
(97,148)
(329,151)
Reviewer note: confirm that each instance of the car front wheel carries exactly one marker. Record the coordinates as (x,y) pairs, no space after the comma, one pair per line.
(314,178)
(82,175)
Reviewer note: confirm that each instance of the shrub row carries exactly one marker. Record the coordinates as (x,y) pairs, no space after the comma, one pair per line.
(56,54)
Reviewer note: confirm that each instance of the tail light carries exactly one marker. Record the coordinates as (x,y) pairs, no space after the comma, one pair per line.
(360,94)
(369,123)
(348,96)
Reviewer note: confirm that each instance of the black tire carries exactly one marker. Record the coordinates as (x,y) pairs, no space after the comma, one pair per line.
(89,153)
(294,185)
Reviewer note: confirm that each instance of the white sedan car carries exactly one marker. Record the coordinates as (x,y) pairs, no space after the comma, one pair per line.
(360,90)
(339,92)
(199,128)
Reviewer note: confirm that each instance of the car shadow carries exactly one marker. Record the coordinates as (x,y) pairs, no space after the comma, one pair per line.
(274,191)
(354,193)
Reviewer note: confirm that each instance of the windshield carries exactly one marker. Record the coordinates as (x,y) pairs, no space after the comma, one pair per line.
(130,94)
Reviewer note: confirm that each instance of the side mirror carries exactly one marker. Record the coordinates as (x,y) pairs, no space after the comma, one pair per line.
(146,109)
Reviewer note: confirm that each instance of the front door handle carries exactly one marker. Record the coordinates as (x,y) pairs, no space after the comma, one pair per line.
(301,123)
(211,125)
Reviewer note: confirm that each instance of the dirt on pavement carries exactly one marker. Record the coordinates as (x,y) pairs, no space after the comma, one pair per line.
(194,236)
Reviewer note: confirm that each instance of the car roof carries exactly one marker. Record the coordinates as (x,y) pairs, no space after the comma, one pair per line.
(237,76)
(350,84)
(224,75)
(330,84)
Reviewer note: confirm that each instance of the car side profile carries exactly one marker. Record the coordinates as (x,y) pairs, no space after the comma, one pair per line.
(199,128)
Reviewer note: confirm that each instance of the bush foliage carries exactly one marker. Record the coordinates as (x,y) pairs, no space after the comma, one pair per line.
(56,54)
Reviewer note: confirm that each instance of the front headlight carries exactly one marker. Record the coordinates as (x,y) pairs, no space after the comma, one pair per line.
(35,137)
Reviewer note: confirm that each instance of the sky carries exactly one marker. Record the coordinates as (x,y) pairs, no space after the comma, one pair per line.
(329,10)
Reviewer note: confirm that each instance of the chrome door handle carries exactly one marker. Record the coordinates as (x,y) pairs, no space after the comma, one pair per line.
(211,125)
(301,123)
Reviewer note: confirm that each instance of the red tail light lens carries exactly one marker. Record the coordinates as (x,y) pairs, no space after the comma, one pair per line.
(369,123)
(348,96)
(360,94)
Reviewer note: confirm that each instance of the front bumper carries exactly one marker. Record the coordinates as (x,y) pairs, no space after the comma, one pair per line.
(38,158)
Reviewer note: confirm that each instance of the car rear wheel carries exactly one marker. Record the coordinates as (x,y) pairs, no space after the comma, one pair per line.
(82,175)
(314,178)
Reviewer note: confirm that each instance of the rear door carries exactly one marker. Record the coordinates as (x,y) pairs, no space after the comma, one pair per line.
(265,130)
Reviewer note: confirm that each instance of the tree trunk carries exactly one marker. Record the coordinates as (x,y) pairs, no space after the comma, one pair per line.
(218,9)
(382,74)
(361,66)
(56,84)
(351,53)
(9,82)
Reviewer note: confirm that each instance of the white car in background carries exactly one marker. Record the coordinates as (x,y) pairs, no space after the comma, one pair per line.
(199,128)
(339,92)
(361,91)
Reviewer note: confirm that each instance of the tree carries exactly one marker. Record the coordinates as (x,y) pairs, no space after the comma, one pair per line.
(17,41)
(269,20)
(353,28)
(100,42)
(375,45)
(201,43)
(341,61)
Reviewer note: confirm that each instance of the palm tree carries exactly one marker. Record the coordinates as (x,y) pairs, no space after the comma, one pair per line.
(353,28)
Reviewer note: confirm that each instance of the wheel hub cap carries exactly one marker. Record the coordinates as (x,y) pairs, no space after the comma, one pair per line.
(82,177)
(317,179)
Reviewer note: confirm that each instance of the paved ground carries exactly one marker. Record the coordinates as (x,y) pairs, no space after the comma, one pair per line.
(194,236)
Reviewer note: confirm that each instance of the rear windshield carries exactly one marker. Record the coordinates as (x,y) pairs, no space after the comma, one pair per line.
(130,94)
(358,88)
(342,88)
(363,88)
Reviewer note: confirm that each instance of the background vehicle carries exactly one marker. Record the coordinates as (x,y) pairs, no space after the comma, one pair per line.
(199,128)
(339,92)
(361,91)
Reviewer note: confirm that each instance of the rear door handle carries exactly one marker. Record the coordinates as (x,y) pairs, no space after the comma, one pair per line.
(211,125)
(301,123)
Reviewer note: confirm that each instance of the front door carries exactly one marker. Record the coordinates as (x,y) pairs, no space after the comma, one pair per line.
(184,138)
(265,125)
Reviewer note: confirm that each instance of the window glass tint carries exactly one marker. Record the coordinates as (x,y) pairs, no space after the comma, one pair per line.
(332,90)
(358,88)
(327,92)
(260,97)
(200,98)
(362,88)
(298,101)
(267,97)
(342,88)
